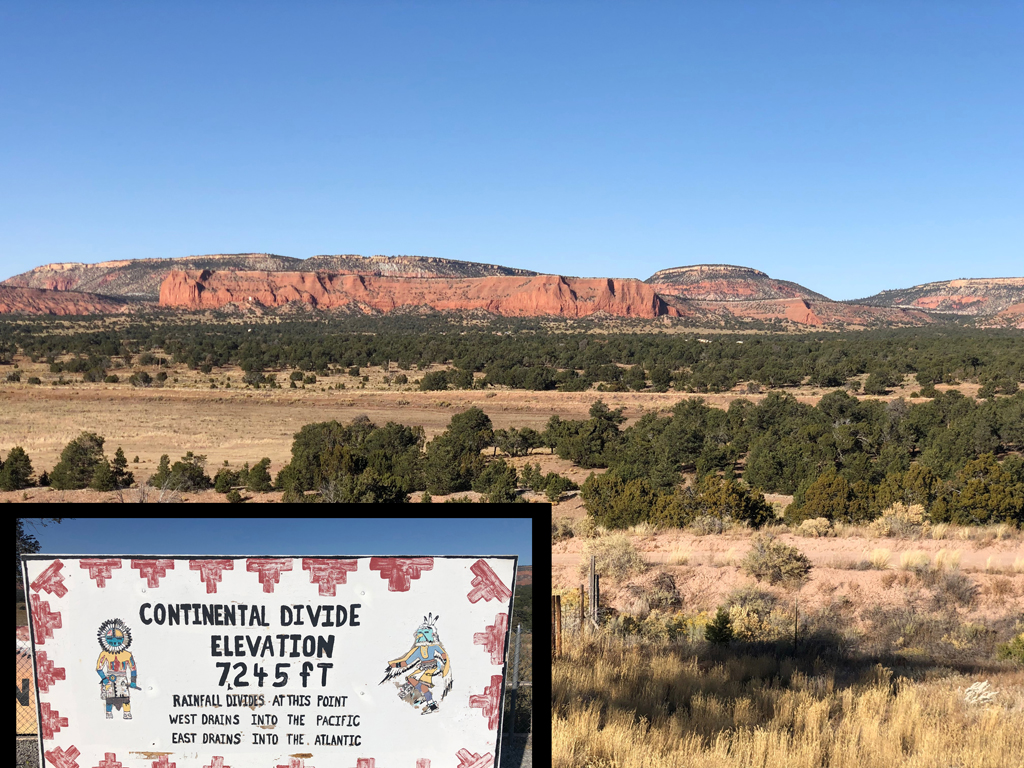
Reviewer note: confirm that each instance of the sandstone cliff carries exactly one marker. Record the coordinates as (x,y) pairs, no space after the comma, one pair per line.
(141,278)
(724,282)
(37,301)
(510,296)
(137,278)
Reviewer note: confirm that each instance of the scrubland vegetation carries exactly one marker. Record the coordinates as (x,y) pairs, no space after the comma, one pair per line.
(846,459)
(526,353)
(800,660)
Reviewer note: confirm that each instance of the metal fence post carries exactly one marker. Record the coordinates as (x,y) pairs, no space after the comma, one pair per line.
(593,587)
(514,688)
(552,625)
(582,628)
(558,621)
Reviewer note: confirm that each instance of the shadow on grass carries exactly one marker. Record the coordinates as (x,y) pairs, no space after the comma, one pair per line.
(821,663)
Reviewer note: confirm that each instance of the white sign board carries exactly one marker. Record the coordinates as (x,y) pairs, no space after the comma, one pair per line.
(269,662)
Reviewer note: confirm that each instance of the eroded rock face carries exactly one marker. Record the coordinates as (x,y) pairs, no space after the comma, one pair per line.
(141,278)
(724,282)
(37,301)
(817,313)
(408,266)
(510,296)
(966,296)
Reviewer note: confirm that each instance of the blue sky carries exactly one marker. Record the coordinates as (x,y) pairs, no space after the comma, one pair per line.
(849,146)
(286,536)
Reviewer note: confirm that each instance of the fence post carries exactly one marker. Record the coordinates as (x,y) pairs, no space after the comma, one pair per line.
(552,625)
(515,679)
(796,620)
(558,621)
(593,587)
(597,599)
(582,628)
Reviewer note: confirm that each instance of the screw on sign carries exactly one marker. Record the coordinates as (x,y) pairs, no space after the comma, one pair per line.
(229,662)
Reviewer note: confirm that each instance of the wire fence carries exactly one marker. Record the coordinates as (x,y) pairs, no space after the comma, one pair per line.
(519,684)
(25,712)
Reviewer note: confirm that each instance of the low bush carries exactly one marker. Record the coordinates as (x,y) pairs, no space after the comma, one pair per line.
(707,525)
(944,559)
(583,528)
(225,480)
(816,526)
(914,560)
(953,588)
(900,521)
(773,561)
(750,611)
(616,557)
(561,528)
(1013,650)
(879,559)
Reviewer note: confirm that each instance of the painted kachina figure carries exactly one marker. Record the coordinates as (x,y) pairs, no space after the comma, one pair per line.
(114,665)
(425,661)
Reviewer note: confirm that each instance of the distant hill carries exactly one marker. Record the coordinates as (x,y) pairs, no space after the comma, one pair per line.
(966,296)
(408,266)
(37,301)
(141,278)
(725,282)
(699,295)
(712,293)
(524,575)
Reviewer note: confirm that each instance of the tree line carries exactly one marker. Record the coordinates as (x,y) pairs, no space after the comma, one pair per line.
(533,356)
(842,459)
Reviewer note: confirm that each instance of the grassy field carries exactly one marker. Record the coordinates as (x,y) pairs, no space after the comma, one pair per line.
(886,653)
(634,704)
(240,424)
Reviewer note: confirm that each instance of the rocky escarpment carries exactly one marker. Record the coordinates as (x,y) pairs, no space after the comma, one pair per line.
(141,278)
(138,278)
(724,282)
(967,296)
(407,266)
(826,314)
(38,301)
(511,296)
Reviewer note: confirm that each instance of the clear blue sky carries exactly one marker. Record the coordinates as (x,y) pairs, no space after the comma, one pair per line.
(284,536)
(849,146)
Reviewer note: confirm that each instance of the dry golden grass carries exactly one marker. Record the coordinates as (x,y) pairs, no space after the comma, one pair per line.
(914,560)
(238,424)
(944,559)
(879,558)
(646,706)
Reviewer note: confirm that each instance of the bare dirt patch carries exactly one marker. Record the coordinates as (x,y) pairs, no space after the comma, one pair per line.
(706,569)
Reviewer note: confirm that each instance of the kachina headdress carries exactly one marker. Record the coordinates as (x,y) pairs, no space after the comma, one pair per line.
(114,636)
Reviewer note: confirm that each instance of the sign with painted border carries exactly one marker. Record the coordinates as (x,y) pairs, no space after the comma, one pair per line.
(204,661)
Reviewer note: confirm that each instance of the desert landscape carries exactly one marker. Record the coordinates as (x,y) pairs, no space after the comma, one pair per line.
(184,414)
(734,289)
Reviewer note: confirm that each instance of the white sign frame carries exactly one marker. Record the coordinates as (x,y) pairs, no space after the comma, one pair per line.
(163,644)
